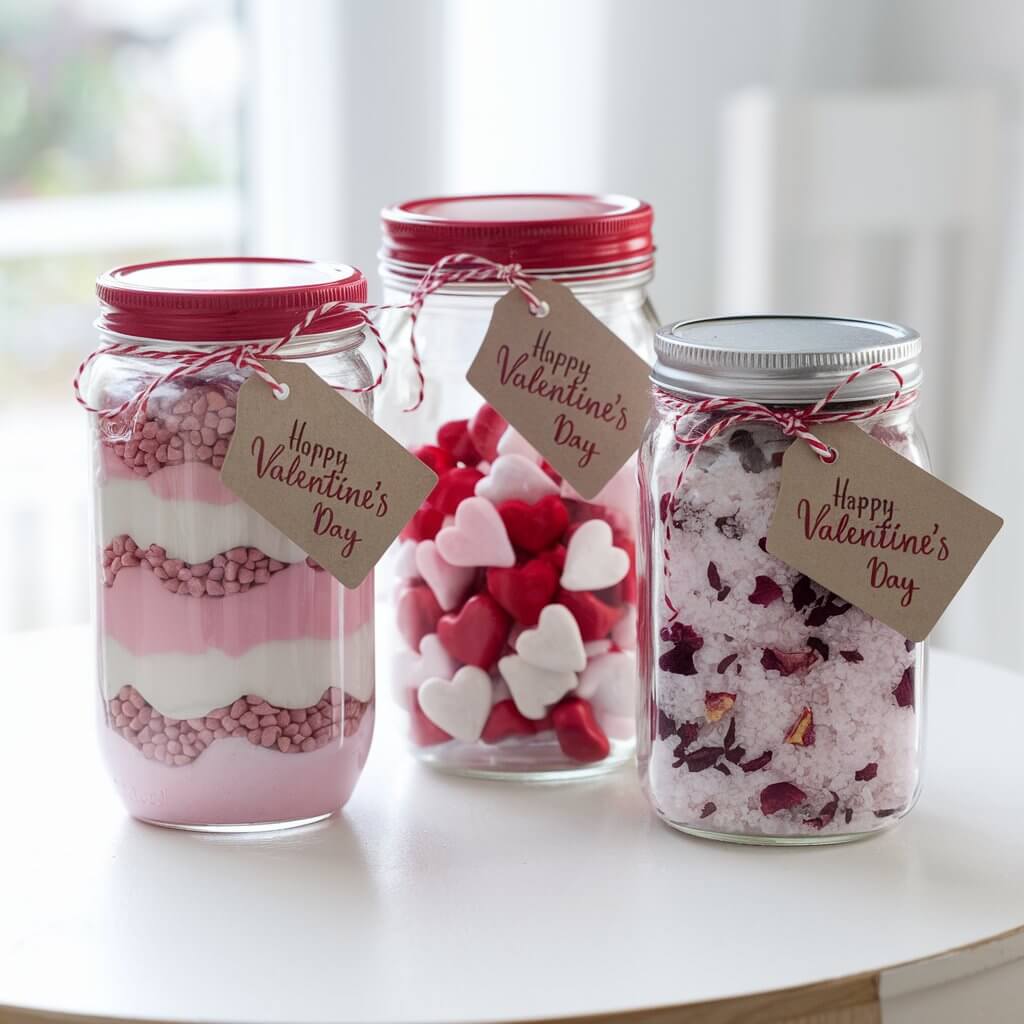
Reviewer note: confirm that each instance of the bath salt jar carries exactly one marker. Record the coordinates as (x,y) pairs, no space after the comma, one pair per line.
(462,625)
(236,677)
(773,711)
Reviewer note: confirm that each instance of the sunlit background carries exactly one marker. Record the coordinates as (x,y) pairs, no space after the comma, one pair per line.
(862,159)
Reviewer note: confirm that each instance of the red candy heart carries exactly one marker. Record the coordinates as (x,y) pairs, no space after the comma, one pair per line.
(424,525)
(475,635)
(505,720)
(485,430)
(436,458)
(418,613)
(555,557)
(422,730)
(579,735)
(453,488)
(524,590)
(592,615)
(535,527)
(453,437)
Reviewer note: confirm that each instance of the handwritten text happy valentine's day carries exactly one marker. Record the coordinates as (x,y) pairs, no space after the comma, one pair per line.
(549,373)
(321,469)
(867,521)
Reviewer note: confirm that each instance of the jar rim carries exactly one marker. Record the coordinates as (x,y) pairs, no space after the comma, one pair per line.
(784,359)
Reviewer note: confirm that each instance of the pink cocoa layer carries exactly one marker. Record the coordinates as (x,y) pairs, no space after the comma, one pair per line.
(296,603)
(238,783)
(183,481)
(177,742)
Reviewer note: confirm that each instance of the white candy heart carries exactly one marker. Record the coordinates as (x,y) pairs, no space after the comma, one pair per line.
(405,560)
(555,642)
(624,631)
(596,647)
(409,670)
(448,582)
(459,706)
(513,443)
(592,562)
(609,682)
(534,689)
(478,537)
(515,476)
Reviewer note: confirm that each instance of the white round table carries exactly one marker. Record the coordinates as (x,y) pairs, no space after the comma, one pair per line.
(440,899)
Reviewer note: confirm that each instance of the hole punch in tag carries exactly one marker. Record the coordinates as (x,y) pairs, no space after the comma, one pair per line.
(877,530)
(566,382)
(324,474)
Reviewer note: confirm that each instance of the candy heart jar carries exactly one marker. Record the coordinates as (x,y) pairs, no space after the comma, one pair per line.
(506,569)
(773,711)
(236,677)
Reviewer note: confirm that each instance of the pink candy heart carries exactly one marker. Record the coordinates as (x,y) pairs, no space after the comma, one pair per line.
(459,706)
(609,683)
(448,582)
(513,443)
(515,476)
(477,538)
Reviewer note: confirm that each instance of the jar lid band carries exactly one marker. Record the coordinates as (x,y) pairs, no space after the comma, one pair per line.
(784,360)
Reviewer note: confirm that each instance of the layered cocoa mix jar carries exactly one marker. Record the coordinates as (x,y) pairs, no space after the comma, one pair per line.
(236,677)
(773,710)
(513,662)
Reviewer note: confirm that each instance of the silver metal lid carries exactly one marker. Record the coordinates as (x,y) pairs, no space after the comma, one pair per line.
(783,359)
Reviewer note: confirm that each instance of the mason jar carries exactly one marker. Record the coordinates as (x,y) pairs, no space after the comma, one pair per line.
(236,677)
(601,248)
(772,710)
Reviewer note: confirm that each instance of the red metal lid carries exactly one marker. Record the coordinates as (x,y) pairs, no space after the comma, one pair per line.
(542,232)
(233,298)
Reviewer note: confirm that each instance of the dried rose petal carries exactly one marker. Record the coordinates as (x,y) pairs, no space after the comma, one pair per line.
(740,440)
(867,773)
(904,692)
(688,732)
(686,642)
(723,769)
(848,815)
(766,590)
(729,527)
(708,809)
(713,578)
(801,733)
(763,544)
(726,662)
(735,754)
(781,796)
(831,606)
(888,812)
(787,662)
(730,734)
(724,593)
(818,645)
(826,814)
(853,656)
(909,644)
(703,758)
(717,703)
(757,763)
(666,725)
(777,459)
(664,506)
(803,593)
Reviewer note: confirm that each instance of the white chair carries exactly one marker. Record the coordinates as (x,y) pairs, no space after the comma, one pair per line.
(882,204)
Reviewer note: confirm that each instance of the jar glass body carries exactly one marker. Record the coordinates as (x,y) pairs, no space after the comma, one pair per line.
(236,677)
(772,711)
(596,731)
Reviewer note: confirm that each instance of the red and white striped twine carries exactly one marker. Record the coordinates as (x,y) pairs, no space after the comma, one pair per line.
(464,268)
(243,355)
(793,422)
